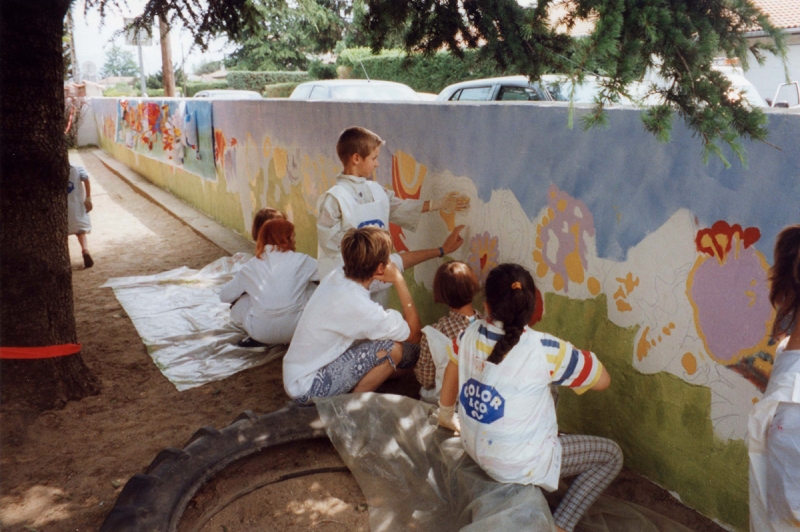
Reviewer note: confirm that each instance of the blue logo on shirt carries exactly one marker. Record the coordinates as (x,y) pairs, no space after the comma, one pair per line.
(70,187)
(376,223)
(481,402)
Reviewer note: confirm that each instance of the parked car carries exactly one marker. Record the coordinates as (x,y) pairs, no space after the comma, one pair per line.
(226,94)
(508,88)
(353,89)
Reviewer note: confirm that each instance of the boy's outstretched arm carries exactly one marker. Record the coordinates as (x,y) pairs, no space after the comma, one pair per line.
(393,275)
(450,202)
(453,241)
(603,382)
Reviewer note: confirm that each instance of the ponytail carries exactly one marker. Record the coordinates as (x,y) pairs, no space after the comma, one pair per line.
(511,296)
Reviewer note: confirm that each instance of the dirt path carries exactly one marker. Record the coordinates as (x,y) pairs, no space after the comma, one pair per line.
(62,470)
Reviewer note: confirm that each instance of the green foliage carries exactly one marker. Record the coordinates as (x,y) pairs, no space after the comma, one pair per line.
(256,81)
(678,41)
(279,90)
(207,67)
(119,62)
(423,73)
(121,89)
(156,81)
(194,88)
(320,70)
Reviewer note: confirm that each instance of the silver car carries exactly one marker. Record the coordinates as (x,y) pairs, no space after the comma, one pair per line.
(354,89)
(508,88)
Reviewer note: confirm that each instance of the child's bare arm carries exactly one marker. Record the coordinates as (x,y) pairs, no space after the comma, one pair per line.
(604,381)
(453,241)
(87,203)
(392,275)
(447,401)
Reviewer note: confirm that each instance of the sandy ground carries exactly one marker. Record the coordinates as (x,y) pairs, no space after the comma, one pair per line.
(62,470)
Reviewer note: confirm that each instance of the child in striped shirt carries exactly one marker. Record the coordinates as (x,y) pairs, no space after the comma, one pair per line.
(501,375)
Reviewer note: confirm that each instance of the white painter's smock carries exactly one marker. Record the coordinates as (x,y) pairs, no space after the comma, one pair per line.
(78,218)
(773,441)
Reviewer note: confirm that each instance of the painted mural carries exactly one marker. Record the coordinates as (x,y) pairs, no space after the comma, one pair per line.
(644,255)
(177,132)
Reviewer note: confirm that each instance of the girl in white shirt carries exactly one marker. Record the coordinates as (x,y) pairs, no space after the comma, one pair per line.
(271,290)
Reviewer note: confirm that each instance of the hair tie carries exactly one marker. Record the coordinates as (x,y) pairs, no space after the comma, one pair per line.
(516,285)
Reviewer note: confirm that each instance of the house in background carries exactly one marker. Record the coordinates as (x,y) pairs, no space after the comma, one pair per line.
(784,14)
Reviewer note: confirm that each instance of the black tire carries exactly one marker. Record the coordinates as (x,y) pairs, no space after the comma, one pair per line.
(155,500)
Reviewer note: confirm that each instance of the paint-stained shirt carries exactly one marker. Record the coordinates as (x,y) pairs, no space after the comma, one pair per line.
(451,326)
(508,419)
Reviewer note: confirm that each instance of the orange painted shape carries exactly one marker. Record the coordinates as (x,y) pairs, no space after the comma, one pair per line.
(594,286)
(620,293)
(643,346)
(623,306)
(542,269)
(558,282)
(689,363)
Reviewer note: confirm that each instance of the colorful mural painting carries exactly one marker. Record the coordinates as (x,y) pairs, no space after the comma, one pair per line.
(644,255)
(174,131)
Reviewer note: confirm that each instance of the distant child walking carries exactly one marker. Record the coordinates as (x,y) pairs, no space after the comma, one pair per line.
(345,342)
(501,375)
(79,205)
(356,200)
(272,289)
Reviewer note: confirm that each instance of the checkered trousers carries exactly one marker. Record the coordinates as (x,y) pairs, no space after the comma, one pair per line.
(596,462)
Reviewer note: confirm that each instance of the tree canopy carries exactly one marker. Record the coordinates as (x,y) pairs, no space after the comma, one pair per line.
(119,62)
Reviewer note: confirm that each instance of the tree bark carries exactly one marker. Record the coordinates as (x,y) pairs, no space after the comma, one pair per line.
(36,307)
(166,58)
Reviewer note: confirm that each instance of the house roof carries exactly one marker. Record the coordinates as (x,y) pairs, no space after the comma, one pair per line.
(784,14)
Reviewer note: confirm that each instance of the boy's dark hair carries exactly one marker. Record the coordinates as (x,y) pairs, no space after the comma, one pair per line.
(784,276)
(363,250)
(356,140)
(264,215)
(511,297)
(455,284)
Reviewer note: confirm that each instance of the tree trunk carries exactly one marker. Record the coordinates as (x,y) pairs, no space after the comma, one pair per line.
(166,58)
(36,307)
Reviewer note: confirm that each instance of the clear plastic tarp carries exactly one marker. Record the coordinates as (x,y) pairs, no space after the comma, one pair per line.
(187,330)
(416,476)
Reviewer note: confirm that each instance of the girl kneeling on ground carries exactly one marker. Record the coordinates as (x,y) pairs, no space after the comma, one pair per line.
(501,375)
(272,289)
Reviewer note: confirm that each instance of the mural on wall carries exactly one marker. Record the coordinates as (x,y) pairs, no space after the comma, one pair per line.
(624,241)
(177,132)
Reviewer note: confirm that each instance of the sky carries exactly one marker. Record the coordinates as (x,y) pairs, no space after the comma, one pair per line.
(93,41)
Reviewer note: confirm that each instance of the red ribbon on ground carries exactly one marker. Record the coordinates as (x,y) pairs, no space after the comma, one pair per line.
(48,351)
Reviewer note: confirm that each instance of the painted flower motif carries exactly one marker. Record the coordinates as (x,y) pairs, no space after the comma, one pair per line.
(483,253)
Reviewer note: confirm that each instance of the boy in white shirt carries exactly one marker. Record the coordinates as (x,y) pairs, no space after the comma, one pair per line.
(345,342)
(356,200)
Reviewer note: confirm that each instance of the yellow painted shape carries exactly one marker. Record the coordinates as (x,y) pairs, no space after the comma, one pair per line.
(412,174)
(594,286)
(763,366)
(623,306)
(620,293)
(666,331)
(558,282)
(266,148)
(643,346)
(550,215)
(754,400)
(572,262)
(449,219)
(280,161)
(542,269)
(561,205)
(689,363)
(629,282)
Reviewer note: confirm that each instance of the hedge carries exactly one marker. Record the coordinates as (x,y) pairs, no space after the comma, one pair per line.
(421,73)
(256,81)
(279,90)
(194,88)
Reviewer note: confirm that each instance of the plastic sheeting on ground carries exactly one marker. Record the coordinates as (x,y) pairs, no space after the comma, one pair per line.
(416,476)
(185,327)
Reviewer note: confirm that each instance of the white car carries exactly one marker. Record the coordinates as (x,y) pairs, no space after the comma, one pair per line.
(354,89)
(225,94)
(506,88)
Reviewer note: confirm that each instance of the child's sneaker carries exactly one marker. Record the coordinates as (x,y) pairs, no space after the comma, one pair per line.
(249,343)
(87,260)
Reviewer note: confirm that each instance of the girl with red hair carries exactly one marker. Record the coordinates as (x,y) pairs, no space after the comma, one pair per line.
(271,290)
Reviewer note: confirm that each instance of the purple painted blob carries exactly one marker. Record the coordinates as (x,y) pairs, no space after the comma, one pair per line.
(732,301)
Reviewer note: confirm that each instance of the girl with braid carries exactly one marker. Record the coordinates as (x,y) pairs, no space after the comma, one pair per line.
(500,374)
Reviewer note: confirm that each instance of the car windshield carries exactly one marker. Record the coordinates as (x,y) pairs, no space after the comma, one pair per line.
(372,92)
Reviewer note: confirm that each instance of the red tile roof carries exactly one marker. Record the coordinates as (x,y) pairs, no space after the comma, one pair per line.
(784,14)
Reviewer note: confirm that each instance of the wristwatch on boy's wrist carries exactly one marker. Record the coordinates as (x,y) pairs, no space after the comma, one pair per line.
(441,251)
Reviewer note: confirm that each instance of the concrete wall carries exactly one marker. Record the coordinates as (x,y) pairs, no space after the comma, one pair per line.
(646,256)
(772,73)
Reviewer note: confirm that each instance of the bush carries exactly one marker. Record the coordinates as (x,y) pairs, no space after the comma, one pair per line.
(120,89)
(320,70)
(194,88)
(255,81)
(279,90)
(421,73)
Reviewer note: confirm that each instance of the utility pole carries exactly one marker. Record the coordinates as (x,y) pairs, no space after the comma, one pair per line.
(166,58)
